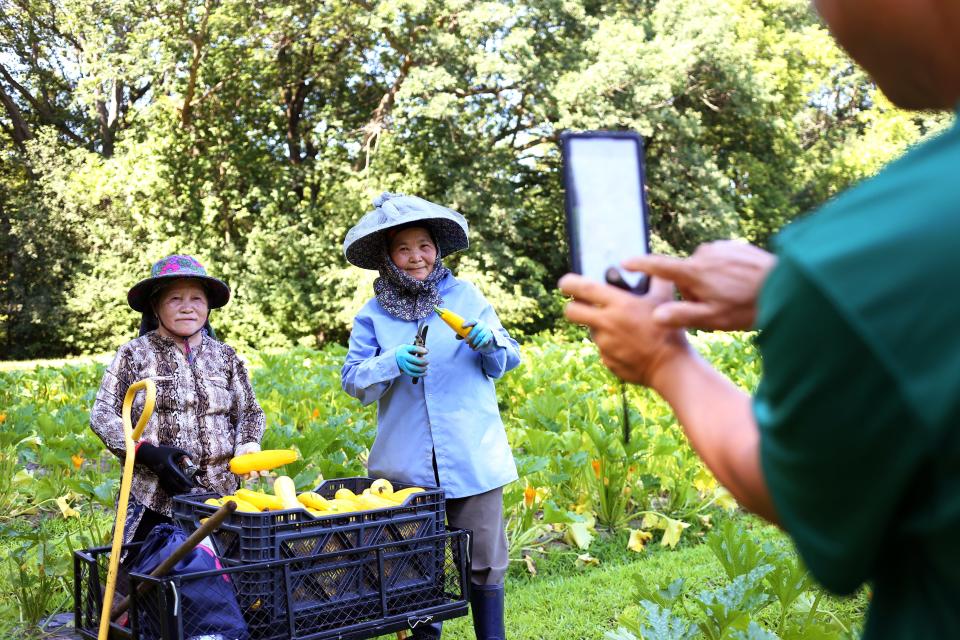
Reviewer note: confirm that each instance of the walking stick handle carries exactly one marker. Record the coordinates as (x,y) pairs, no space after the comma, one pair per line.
(130,434)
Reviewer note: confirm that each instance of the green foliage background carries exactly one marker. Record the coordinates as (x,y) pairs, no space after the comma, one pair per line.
(254,134)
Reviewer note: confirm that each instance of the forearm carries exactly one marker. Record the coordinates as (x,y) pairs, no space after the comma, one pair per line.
(719,422)
(105,415)
(504,358)
(250,420)
(368,379)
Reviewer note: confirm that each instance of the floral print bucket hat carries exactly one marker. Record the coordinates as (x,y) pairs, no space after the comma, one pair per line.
(364,244)
(173,268)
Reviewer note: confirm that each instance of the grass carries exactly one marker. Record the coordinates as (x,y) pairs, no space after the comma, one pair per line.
(562,601)
(20,365)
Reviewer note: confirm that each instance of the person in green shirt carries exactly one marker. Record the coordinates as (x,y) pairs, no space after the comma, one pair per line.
(852,440)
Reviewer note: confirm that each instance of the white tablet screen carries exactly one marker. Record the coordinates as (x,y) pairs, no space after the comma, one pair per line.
(608,204)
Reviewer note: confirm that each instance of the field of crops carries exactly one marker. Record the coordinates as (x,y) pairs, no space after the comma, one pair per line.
(586,498)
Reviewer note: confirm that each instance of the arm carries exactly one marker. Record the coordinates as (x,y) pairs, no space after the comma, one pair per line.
(105,416)
(719,422)
(246,414)
(502,352)
(715,415)
(719,284)
(367,373)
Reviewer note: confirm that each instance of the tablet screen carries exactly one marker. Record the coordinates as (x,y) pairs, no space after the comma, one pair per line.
(605,192)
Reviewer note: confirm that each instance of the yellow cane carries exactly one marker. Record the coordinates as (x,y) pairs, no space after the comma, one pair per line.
(129,436)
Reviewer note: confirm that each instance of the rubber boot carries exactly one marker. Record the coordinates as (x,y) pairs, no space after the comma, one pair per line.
(427,631)
(486,602)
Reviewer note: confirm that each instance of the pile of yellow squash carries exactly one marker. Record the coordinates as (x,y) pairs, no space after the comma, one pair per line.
(380,494)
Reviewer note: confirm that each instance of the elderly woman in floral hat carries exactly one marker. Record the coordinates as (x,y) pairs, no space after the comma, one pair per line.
(205,409)
(445,431)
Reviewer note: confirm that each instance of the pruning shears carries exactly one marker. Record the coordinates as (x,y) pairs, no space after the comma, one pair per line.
(421,341)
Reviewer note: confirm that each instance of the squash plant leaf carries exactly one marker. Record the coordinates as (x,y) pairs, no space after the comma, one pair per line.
(661,624)
(753,632)
(732,605)
(737,552)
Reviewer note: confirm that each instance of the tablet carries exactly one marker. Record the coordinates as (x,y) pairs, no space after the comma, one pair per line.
(606,205)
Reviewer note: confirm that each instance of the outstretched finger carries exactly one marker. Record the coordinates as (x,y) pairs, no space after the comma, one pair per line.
(661,290)
(683,314)
(587,290)
(674,269)
(583,314)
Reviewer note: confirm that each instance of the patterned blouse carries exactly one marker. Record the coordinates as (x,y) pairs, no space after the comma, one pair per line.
(207,409)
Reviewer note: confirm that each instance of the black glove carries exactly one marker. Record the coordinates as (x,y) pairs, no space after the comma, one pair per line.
(165,462)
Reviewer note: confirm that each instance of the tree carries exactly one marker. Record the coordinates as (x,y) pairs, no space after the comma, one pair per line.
(254,134)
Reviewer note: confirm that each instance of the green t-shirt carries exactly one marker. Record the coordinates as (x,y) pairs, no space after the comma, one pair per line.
(859,405)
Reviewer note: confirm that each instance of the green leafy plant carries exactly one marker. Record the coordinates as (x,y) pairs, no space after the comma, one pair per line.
(38,572)
(768,594)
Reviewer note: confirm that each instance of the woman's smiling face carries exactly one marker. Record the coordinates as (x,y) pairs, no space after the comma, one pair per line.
(182,308)
(413,251)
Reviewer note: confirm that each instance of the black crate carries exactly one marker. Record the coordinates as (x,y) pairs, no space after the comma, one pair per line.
(359,593)
(257,537)
(90,569)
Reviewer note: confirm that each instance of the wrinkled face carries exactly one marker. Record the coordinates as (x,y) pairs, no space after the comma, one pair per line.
(413,251)
(182,307)
(911,49)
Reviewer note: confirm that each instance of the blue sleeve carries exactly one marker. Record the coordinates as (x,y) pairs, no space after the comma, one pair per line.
(505,358)
(367,372)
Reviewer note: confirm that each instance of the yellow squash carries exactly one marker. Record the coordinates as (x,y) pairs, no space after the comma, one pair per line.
(381,487)
(344,494)
(338,505)
(262,460)
(454,321)
(313,500)
(284,488)
(373,502)
(242,505)
(399,496)
(263,501)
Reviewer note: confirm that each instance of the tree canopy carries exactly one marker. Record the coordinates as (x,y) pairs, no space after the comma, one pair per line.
(253,134)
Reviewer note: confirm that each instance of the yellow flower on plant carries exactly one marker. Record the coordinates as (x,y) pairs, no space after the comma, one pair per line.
(529,494)
(77,461)
(66,509)
(316,414)
(596,468)
(586,560)
(704,482)
(638,540)
(3,418)
(725,499)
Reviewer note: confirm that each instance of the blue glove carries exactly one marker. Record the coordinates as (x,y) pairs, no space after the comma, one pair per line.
(409,360)
(480,337)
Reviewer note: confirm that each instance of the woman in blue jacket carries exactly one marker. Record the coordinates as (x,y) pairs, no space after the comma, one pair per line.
(446,430)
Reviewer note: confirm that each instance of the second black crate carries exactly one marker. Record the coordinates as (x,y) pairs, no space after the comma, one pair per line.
(274,535)
(355,594)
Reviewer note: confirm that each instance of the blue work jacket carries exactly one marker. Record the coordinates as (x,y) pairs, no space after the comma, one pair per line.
(452,410)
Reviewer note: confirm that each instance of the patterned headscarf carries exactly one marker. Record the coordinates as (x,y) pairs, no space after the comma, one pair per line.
(405,297)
